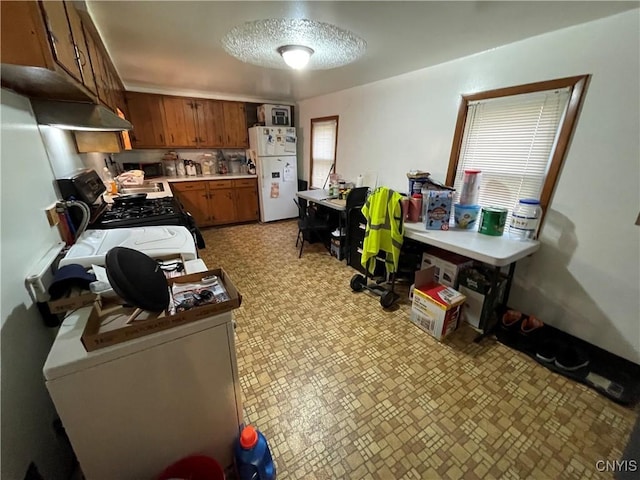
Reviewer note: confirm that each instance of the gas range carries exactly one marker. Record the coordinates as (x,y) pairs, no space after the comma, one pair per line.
(149,212)
(156,211)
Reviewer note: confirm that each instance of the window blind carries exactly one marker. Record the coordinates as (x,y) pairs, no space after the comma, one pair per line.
(511,140)
(323,140)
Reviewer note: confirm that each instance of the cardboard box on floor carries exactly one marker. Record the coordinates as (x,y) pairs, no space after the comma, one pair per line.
(448,265)
(436,307)
(107,325)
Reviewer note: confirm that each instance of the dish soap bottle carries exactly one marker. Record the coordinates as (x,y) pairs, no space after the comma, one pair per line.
(109,182)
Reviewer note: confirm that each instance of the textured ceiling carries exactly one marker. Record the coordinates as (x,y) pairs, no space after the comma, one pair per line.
(176,46)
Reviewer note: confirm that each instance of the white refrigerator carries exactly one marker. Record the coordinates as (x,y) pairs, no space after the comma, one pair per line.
(274,151)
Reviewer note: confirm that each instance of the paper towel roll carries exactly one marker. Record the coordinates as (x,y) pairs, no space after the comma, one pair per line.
(359,181)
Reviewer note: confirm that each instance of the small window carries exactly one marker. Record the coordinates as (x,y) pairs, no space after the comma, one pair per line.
(324,141)
(518,138)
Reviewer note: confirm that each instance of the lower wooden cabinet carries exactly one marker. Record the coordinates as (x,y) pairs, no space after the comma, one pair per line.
(219,202)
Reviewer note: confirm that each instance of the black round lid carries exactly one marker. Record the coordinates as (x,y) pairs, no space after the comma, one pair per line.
(137,279)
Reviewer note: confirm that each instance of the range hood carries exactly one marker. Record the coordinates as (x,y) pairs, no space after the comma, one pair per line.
(77,116)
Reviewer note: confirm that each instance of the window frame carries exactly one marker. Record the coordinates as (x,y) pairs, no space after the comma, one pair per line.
(578,86)
(335,145)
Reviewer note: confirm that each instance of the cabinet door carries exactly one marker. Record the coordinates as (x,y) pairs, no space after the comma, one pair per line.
(180,122)
(95,58)
(147,116)
(60,37)
(210,122)
(97,64)
(81,47)
(222,205)
(235,125)
(193,197)
(246,204)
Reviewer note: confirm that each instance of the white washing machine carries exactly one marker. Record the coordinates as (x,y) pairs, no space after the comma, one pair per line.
(134,408)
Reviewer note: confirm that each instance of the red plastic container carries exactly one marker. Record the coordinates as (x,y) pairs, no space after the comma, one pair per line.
(195,467)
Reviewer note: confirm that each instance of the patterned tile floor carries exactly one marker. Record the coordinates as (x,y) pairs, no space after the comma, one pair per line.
(344,389)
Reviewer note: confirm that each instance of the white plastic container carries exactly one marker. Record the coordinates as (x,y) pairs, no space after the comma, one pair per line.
(470,187)
(525,219)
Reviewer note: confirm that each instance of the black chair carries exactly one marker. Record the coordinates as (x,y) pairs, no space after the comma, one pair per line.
(355,200)
(310,224)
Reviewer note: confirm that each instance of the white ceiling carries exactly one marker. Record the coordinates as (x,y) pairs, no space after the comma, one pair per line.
(175,46)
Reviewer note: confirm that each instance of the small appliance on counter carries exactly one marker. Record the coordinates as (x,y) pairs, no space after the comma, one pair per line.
(151,170)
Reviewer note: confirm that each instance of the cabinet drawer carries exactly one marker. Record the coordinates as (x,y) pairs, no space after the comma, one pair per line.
(186,186)
(215,185)
(249,182)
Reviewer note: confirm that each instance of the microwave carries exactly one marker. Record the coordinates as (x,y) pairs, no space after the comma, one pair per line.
(151,170)
(274,115)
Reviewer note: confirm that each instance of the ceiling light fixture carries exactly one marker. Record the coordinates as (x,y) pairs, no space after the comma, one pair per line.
(266,43)
(296,56)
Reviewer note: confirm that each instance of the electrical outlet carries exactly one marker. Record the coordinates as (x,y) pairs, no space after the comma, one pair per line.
(52,215)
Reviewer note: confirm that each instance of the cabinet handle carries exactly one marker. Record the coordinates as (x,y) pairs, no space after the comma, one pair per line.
(220,138)
(228,139)
(81,57)
(172,140)
(195,140)
(161,138)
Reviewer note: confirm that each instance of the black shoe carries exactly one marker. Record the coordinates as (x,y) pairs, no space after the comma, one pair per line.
(547,350)
(571,358)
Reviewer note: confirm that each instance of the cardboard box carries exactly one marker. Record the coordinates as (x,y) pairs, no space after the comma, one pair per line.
(437,209)
(336,248)
(436,307)
(77,298)
(448,265)
(482,299)
(107,326)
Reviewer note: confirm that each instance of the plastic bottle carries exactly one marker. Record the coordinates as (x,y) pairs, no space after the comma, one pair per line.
(109,182)
(253,457)
(525,219)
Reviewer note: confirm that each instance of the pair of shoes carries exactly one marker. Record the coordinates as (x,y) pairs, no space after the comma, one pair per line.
(566,357)
(571,358)
(511,320)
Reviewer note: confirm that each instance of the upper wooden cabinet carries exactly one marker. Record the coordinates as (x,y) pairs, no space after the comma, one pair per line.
(186,122)
(235,125)
(200,123)
(146,114)
(180,122)
(80,45)
(61,38)
(210,121)
(49,49)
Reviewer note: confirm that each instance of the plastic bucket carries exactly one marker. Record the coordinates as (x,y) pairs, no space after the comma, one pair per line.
(195,467)
(466,216)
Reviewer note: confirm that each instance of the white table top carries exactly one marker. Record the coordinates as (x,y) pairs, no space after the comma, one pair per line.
(321,197)
(497,251)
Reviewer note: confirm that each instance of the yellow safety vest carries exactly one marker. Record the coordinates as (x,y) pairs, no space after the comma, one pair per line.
(384,230)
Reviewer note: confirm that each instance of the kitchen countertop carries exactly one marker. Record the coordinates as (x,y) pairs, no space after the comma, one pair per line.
(167,180)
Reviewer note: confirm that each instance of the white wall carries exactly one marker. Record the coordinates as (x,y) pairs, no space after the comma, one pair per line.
(585,279)
(27,188)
